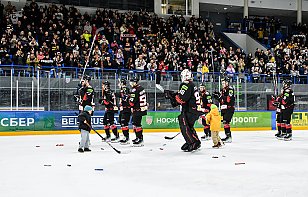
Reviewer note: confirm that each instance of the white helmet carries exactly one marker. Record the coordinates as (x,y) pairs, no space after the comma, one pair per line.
(186,75)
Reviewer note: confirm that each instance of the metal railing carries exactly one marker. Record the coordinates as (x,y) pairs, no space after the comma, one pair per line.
(52,88)
(99,73)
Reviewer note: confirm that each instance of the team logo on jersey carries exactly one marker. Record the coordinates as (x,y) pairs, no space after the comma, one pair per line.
(149,120)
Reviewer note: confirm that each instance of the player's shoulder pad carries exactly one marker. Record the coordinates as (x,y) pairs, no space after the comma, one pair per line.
(90,88)
(207,93)
(184,86)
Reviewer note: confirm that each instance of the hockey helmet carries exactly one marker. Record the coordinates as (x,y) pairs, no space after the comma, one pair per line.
(186,75)
(225,82)
(107,85)
(123,82)
(87,77)
(286,83)
(202,85)
(226,79)
(133,81)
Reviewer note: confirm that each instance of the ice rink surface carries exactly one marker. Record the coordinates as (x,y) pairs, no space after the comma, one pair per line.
(270,167)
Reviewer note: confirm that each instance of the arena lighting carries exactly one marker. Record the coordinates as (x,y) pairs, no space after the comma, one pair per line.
(225,8)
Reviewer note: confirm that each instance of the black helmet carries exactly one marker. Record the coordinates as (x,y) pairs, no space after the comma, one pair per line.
(86,77)
(134,79)
(226,79)
(123,82)
(107,83)
(202,85)
(286,83)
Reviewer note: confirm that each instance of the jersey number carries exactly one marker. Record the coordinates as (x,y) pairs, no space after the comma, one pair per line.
(197,96)
(143,100)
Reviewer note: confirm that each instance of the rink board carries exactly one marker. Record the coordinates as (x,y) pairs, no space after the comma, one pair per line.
(65,122)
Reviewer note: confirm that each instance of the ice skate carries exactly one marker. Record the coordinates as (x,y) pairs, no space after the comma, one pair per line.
(124,141)
(80,150)
(205,138)
(288,137)
(185,147)
(277,134)
(87,150)
(194,146)
(227,139)
(282,136)
(114,140)
(138,142)
(106,139)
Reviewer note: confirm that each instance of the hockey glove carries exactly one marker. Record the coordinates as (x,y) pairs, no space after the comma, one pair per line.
(216,95)
(274,97)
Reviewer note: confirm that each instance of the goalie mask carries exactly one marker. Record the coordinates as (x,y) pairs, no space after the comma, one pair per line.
(186,75)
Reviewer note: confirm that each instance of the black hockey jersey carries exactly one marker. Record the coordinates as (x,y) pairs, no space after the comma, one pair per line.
(109,100)
(206,101)
(188,96)
(124,100)
(138,100)
(277,103)
(227,98)
(86,96)
(288,99)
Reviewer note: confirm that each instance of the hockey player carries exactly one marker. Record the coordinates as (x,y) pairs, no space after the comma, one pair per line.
(188,97)
(84,119)
(226,99)
(109,100)
(125,111)
(139,105)
(86,94)
(287,106)
(206,101)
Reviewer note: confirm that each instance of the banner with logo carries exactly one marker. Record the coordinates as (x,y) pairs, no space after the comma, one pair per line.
(299,119)
(162,120)
(67,120)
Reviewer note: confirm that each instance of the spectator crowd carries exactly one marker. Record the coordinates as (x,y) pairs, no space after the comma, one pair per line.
(59,36)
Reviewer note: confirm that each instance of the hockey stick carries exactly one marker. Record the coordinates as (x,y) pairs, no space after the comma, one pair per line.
(213,73)
(275,82)
(171,138)
(160,88)
(116,150)
(92,44)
